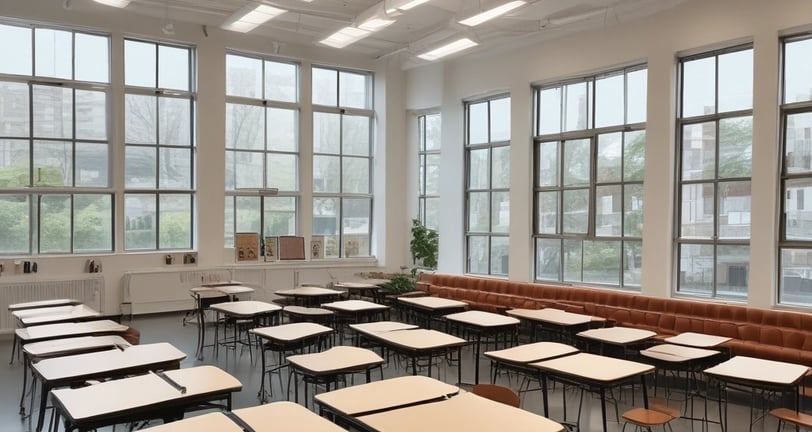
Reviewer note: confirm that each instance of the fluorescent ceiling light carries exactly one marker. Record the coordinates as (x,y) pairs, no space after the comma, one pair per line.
(448,49)
(114,3)
(402,5)
(344,37)
(412,4)
(375,24)
(492,13)
(250,17)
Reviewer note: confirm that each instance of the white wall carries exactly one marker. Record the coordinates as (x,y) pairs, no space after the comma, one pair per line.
(695,26)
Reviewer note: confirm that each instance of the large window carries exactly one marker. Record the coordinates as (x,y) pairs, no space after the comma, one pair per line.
(262,146)
(342,161)
(487,191)
(159,126)
(589,158)
(795,246)
(55,188)
(428,129)
(715,134)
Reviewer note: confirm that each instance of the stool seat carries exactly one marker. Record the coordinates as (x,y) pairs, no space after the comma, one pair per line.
(792,417)
(659,404)
(646,417)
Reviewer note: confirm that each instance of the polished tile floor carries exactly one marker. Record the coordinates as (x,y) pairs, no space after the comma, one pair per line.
(168,327)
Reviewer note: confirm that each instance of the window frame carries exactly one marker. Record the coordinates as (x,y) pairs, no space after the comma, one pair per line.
(422,156)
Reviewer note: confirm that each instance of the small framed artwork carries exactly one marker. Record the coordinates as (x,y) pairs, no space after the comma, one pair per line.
(271,249)
(291,248)
(246,247)
(317,247)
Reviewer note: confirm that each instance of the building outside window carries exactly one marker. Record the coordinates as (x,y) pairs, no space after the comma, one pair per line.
(428,127)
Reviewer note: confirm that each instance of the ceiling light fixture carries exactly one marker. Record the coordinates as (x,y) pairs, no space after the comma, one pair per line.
(402,5)
(448,49)
(250,17)
(375,24)
(492,13)
(344,37)
(114,3)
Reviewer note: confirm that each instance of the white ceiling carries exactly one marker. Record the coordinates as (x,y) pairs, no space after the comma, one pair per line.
(417,30)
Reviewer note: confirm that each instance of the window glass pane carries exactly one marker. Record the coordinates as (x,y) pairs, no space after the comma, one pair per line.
(53,112)
(174,118)
(548,164)
(499,256)
(479,211)
(281,81)
(602,262)
(798,219)
(732,271)
(636,96)
(283,172)
(548,213)
(576,211)
(326,133)
(573,258)
(282,127)
(501,168)
(698,87)
(280,216)
(53,163)
(577,107)
(478,169)
(796,276)
(139,63)
(325,87)
(243,76)
(609,101)
(550,111)
(632,263)
(15,213)
(634,155)
(356,226)
(608,211)
(697,211)
(325,223)
(696,269)
(175,168)
(500,120)
(140,167)
(736,81)
(478,123)
(14,99)
(734,210)
(548,259)
(93,223)
(139,222)
(699,151)
(54,52)
(91,115)
(478,254)
(421,180)
(229,221)
(92,58)
(248,167)
(576,162)
(432,174)
(798,158)
(432,210)
(633,210)
(248,214)
(15,50)
(353,90)
(355,172)
(610,153)
(14,157)
(355,135)
(54,224)
(797,71)
(244,127)
(500,212)
(433,132)
(140,122)
(176,222)
(91,165)
(326,176)
(173,68)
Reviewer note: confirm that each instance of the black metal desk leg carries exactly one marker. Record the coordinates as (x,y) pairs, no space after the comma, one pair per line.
(603,408)
(544,396)
(476,359)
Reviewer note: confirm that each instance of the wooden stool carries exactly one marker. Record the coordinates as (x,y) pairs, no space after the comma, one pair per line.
(646,418)
(786,415)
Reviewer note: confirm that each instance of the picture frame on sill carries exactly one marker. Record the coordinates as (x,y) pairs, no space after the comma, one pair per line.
(271,249)
(246,247)
(316,247)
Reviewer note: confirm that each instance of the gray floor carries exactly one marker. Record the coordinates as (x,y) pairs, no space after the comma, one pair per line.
(169,328)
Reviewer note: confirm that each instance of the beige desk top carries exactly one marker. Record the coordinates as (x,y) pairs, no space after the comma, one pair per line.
(69,345)
(74,312)
(552,316)
(354,306)
(465,412)
(482,319)
(308,291)
(43,303)
(419,339)
(336,359)
(53,331)
(231,289)
(759,370)
(389,393)
(677,353)
(245,308)
(432,303)
(698,340)
(310,311)
(61,368)
(381,326)
(212,422)
(292,332)
(45,310)
(356,285)
(617,335)
(594,367)
(129,393)
(533,352)
(220,283)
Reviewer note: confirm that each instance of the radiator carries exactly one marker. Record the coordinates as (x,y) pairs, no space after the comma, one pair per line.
(88,290)
(164,291)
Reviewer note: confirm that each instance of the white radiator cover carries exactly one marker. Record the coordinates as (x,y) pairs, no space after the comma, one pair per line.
(158,291)
(89,290)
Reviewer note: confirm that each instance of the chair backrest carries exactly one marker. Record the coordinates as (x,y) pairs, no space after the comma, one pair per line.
(497,393)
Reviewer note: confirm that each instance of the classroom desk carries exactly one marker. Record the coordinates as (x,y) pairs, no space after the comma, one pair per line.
(308,314)
(274,417)
(697,340)
(430,308)
(325,367)
(117,362)
(63,330)
(484,324)
(556,320)
(464,412)
(250,310)
(204,297)
(366,329)
(623,337)
(43,303)
(167,395)
(518,358)
(56,314)
(595,372)
(359,288)
(356,310)
(309,295)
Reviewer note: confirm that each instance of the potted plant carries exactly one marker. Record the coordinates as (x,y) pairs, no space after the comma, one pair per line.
(399,284)
(423,246)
